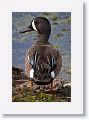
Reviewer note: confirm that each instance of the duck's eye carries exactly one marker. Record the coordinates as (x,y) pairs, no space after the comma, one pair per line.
(36,22)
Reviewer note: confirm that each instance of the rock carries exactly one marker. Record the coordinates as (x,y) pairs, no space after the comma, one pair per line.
(67,84)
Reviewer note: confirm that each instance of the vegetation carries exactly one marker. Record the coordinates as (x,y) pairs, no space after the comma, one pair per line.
(56,46)
(57,36)
(24,95)
(54,17)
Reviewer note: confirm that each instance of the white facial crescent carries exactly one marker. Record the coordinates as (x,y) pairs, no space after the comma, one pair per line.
(33,25)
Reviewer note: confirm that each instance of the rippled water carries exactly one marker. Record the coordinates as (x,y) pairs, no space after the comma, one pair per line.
(60,37)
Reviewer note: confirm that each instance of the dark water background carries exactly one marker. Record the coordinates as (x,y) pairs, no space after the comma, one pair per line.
(60,37)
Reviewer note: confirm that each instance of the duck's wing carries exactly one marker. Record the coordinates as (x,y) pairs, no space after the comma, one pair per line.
(28,66)
(46,60)
(58,58)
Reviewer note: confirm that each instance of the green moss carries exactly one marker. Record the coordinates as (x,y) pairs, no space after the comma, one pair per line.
(67,20)
(68,70)
(44,97)
(29,98)
(46,13)
(39,97)
(57,36)
(23,39)
(65,30)
(56,46)
(54,17)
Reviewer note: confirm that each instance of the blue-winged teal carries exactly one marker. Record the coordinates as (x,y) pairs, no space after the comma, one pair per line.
(42,62)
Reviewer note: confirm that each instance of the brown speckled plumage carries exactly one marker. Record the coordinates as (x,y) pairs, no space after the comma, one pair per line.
(47,50)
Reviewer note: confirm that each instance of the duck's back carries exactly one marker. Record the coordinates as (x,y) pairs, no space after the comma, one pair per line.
(42,55)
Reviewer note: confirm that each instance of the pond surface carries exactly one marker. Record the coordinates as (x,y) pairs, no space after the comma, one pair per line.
(60,37)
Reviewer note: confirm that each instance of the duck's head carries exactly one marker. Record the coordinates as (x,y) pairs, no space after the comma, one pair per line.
(41,25)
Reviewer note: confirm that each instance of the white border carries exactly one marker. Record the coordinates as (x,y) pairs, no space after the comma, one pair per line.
(6,104)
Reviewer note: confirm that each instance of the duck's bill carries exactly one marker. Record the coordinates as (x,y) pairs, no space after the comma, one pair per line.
(28,29)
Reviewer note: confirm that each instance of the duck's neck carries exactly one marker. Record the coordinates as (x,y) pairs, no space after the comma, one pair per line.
(43,38)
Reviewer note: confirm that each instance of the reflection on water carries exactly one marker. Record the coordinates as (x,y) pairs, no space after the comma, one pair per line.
(60,37)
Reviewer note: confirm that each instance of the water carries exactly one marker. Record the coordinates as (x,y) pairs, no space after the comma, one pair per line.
(60,37)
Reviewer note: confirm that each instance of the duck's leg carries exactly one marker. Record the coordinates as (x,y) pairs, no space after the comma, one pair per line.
(51,86)
(28,68)
(30,85)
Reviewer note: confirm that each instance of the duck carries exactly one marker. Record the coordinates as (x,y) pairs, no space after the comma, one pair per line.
(43,62)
